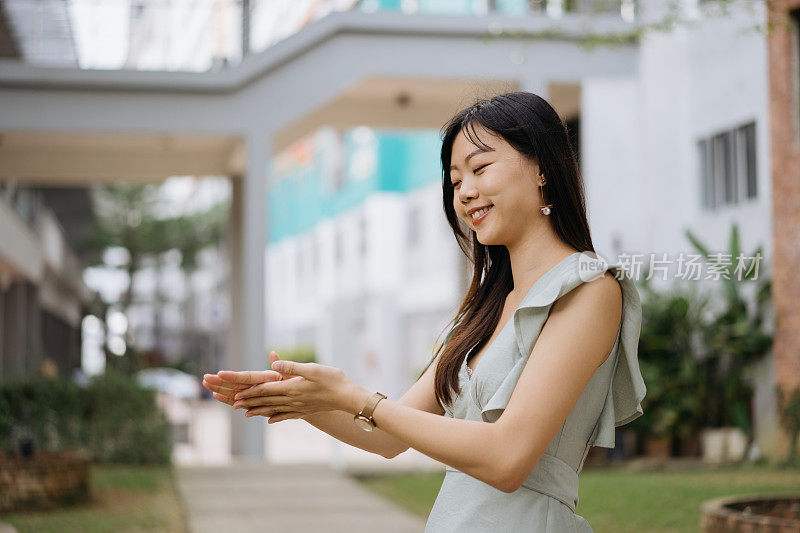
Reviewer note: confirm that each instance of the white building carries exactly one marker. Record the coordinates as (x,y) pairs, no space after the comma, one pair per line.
(370,274)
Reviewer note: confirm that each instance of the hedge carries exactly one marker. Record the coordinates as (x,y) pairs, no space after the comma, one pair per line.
(112,418)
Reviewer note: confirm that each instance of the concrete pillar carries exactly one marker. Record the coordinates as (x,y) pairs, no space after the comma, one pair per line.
(33,330)
(246,342)
(15,332)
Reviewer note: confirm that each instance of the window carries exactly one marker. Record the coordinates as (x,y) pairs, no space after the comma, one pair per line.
(338,247)
(363,233)
(728,167)
(414,226)
(314,255)
(180,433)
(300,261)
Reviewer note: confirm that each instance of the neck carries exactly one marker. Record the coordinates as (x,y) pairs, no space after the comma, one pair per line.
(536,253)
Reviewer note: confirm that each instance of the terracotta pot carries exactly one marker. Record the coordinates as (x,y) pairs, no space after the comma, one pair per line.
(690,446)
(657,446)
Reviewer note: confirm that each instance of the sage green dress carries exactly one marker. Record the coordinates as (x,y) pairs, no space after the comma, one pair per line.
(547,499)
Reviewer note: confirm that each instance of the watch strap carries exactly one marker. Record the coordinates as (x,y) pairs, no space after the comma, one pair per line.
(369,407)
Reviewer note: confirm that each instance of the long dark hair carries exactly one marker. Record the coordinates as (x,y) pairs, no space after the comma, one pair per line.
(532,127)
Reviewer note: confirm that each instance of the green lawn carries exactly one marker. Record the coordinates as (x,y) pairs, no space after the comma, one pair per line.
(620,501)
(124,498)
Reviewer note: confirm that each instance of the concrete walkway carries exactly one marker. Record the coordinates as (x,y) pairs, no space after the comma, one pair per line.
(285,498)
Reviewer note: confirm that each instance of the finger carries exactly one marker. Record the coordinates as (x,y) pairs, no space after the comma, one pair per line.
(267,411)
(284,416)
(275,388)
(248,377)
(224,399)
(218,388)
(307,370)
(266,389)
(261,401)
(222,390)
(216,380)
(273,356)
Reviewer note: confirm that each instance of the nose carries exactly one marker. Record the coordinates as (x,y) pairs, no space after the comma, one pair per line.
(467,192)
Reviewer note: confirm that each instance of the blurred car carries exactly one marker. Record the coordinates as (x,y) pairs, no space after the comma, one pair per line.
(170,381)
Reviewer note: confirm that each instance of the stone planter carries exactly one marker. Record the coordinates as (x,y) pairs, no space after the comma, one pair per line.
(740,514)
(43,481)
(723,445)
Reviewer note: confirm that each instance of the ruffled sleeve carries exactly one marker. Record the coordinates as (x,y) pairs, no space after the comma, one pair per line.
(625,389)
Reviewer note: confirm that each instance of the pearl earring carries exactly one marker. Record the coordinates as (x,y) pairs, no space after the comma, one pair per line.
(547,208)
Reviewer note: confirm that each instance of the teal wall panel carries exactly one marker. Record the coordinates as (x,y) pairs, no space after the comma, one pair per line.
(304,192)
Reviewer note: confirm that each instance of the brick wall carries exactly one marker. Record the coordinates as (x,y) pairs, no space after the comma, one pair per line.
(785,155)
(44,481)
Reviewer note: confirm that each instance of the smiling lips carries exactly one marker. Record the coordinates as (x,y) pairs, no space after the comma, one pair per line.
(478,216)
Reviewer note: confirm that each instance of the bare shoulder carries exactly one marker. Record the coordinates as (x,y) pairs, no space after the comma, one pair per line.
(603,294)
(592,309)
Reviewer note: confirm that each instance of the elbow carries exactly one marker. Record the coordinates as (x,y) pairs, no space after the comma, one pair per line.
(391,454)
(508,483)
(511,475)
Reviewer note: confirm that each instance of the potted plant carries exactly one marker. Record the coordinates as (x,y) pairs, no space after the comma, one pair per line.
(789,414)
(734,337)
(668,356)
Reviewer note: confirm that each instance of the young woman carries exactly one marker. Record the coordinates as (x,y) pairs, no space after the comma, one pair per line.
(541,363)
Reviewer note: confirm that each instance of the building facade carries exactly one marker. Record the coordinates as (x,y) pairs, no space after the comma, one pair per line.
(43,298)
(361,264)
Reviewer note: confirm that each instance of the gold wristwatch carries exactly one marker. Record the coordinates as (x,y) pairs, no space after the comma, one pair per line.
(364,418)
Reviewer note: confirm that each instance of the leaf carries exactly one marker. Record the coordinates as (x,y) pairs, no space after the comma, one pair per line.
(699,246)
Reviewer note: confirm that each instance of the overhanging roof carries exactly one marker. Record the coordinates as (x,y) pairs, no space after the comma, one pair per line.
(571,27)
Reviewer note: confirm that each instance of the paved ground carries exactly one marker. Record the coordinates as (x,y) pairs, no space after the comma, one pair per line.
(285,498)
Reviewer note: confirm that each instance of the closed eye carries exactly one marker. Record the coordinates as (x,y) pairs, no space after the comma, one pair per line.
(480,168)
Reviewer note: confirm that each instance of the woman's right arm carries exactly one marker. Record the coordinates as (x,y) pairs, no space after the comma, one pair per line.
(340,425)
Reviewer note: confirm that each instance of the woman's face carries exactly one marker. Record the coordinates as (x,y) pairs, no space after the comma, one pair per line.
(501,178)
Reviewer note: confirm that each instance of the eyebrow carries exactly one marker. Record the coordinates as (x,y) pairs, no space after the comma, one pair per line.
(474,153)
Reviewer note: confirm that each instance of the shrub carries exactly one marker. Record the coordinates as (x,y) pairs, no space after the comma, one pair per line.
(113,419)
(668,353)
(789,415)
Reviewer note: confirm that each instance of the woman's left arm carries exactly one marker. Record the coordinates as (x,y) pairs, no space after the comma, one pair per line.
(576,338)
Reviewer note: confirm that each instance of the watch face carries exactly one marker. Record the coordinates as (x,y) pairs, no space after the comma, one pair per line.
(364,423)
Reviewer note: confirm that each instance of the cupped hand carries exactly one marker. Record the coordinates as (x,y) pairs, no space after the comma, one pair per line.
(224,389)
(306,388)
